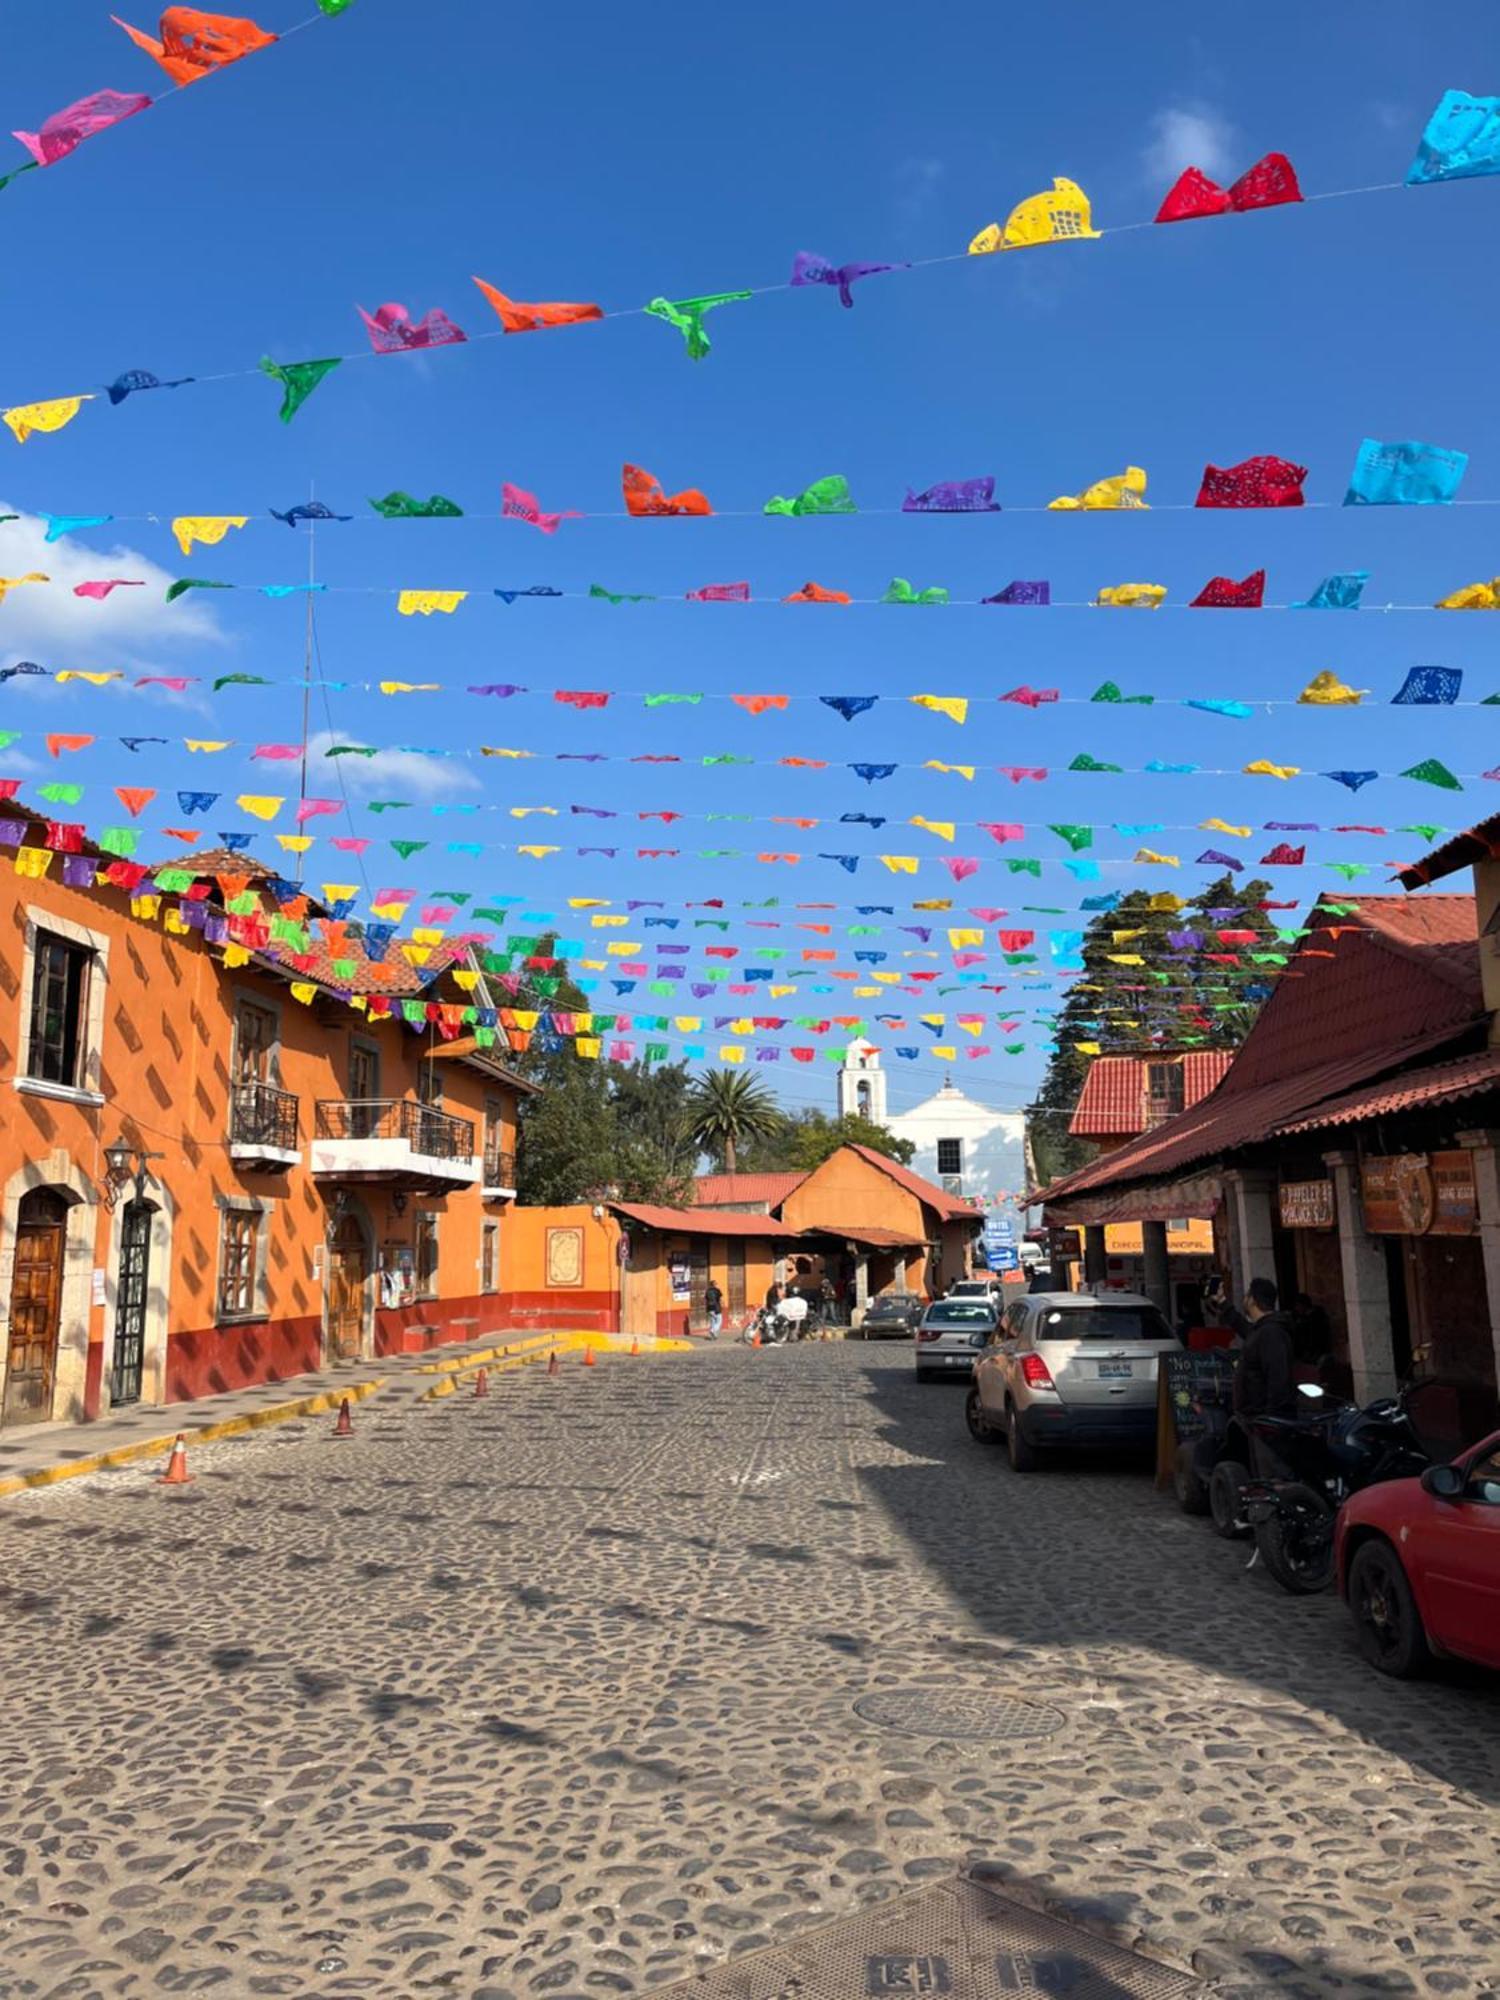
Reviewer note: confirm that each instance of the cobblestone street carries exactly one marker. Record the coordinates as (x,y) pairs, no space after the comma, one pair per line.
(560,1693)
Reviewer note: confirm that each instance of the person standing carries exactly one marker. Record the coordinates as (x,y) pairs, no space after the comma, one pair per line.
(713,1301)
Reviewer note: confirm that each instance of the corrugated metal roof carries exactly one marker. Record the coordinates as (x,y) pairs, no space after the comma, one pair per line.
(731,1190)
(1478,843)
(702,1222)
(1440,1083)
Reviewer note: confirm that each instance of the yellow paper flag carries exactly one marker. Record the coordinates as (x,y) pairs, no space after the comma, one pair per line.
(943,828)
(304,990)
(900,864)
(1326,690)
(427,601)
(1061,214)
(1264,768)
(210,529)
(410,687)
(11,582)
(954,705)
(295,843)
(258,805)
(1119,489)
(1126,595)
(78,674)
(29,417)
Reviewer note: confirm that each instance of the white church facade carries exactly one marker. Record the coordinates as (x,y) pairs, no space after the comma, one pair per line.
(968,1148)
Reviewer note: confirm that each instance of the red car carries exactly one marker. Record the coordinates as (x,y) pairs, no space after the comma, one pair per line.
(1419,1564)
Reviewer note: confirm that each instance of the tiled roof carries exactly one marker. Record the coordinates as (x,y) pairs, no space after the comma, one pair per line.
(1438,1083)
(1113,1100)
(702,1222)
(1479,843)
(734,1190)
(1363,999)
(948,1206)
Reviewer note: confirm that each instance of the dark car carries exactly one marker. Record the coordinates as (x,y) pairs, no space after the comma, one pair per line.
(892,1316)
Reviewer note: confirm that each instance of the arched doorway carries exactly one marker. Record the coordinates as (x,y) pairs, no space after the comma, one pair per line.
(132,1298)
(35,1307)
(348,1288)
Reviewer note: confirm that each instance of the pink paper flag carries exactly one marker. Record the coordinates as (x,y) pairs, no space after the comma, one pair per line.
(311,808)
(70,127)
(277,753)
(100,587)
(720,593)
(348,845)
(176,682)
(393,331)
(960,866)
(518,505)
(1002,831)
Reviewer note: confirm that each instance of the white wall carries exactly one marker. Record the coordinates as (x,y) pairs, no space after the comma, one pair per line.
(993,1141)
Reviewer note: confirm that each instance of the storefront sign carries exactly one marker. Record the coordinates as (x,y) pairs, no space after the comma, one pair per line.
(1307,1205)
(1419,1194)
(677,1264)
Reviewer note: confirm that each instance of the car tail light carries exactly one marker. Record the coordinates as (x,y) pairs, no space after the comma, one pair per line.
(929,1333)
(1035,1373)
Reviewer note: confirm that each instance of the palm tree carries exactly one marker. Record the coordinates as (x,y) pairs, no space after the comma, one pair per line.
(728,1107)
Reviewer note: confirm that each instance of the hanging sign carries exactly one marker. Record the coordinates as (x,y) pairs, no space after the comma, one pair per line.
(1307,1205)
(1420,1194)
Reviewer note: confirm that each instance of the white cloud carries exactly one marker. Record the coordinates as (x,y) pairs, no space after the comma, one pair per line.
(129,628)
(390,774)
(1188,135)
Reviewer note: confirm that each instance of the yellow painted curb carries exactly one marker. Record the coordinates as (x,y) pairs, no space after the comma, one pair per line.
(454,1363)
(561,1342)
(253,1420)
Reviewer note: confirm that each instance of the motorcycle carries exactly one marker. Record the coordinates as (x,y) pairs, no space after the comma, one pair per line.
(1328,1455)
(776,1325)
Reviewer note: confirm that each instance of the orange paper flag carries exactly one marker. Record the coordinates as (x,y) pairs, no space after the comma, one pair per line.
(644,495)
(135,798)
(193,44)
(814,593)
(57,744)
(518,318)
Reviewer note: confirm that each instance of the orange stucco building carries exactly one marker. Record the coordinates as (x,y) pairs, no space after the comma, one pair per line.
(295,1179)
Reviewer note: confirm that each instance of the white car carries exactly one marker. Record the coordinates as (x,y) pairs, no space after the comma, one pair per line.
(951,1333)
(1070,1368)
(971,1288)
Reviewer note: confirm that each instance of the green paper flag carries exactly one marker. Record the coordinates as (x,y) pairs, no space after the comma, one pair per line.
(656,1051)
(184,583)
(687,316)
(334,6)
(1084,762)
(1431,772)
(5,181)
(1019,864)
(1014,1048)
(390,805)
(619,597)
(297,378)
(407,848)
(241,680)
(352,750)
(1109,692)
(399,506)
(121,840)
(1348,869)
(174,880)
(1077,837)
(1428,833)
(62,794)
(660,700)
(899,591)
(824,496)
(724,757)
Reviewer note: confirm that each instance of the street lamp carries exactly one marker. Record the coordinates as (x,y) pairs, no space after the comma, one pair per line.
(118,1159)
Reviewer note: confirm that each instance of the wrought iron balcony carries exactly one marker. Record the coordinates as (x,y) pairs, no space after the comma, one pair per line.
(392,1139)
(263,1124)
(499,1173)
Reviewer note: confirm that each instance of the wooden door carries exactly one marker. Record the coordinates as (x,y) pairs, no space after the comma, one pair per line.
(736,1300)
(35,1307)
(348,1274)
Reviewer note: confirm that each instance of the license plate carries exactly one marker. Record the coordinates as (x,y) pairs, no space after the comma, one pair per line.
(1114,1371)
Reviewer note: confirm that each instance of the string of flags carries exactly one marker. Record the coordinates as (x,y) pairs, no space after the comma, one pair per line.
(1460,141)
(1425,686)
(190,45)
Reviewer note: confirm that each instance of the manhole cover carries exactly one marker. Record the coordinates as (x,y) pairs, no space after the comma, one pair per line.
(959,1940)
(953,1712)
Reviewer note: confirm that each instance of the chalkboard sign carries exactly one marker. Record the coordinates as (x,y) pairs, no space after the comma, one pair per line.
(1184,1381)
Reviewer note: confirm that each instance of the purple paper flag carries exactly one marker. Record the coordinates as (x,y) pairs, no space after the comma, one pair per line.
(954,496)
(70,127)
(810,269)
(1022,592)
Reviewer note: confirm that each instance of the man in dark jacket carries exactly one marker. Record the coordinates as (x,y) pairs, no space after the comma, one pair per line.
(1265,1383)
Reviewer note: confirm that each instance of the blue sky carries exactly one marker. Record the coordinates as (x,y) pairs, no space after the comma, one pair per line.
(592,154)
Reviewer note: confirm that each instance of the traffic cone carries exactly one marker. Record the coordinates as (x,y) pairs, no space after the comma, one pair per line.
(344,1428)
(482,1382)
(635,1347)
(588,1357)
(552,1368)
(755,1338)
(177,1473)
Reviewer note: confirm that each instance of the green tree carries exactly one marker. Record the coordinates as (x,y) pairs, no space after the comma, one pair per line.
(728,1108)
(1203,992)
(812,1138)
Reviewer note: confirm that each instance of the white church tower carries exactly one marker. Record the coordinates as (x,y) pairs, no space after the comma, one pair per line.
(862,1083)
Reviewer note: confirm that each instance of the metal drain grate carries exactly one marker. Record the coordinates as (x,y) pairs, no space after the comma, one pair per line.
(959,1939)
(955,1712)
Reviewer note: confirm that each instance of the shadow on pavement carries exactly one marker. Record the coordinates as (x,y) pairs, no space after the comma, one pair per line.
(1087,1554)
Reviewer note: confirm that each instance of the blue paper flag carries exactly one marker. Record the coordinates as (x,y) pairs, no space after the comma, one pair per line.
(1237,711)
(861,819)
(196,802)
(135,379)
(1462,140)
(1022,591)
(533,590)
(308,510)
(289,589)
(235,842)
(59,525)
(1337,593)
(849,705)
(870,772)
(1405,474)
(1353,779)
(1429,687)
(848,862)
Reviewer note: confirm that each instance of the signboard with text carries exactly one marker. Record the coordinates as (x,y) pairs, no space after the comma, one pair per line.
(1307,1205)
(1419,1194)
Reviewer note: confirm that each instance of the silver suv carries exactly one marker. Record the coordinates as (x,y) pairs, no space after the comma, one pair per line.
(951,1334)
(1070,1368)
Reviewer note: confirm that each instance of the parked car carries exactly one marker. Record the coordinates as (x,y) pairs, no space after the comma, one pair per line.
(1070,1368)
(1419,1564)
(951,1333)
(892,1316)
(971,1288)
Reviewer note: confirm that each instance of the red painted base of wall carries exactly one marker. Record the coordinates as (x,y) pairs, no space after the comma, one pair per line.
(429,1323)
(216,1358)
(590,1312)
(93,1382)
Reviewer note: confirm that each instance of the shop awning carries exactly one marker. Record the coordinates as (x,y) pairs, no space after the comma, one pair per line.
(1154,1201)
(1443,1083)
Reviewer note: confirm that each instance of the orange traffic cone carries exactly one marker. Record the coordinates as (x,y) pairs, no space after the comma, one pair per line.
(755,1338)
(344,1428)
(588,1357)
(635,1347)
(552,1368)
(482,1382)
(177,1473)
